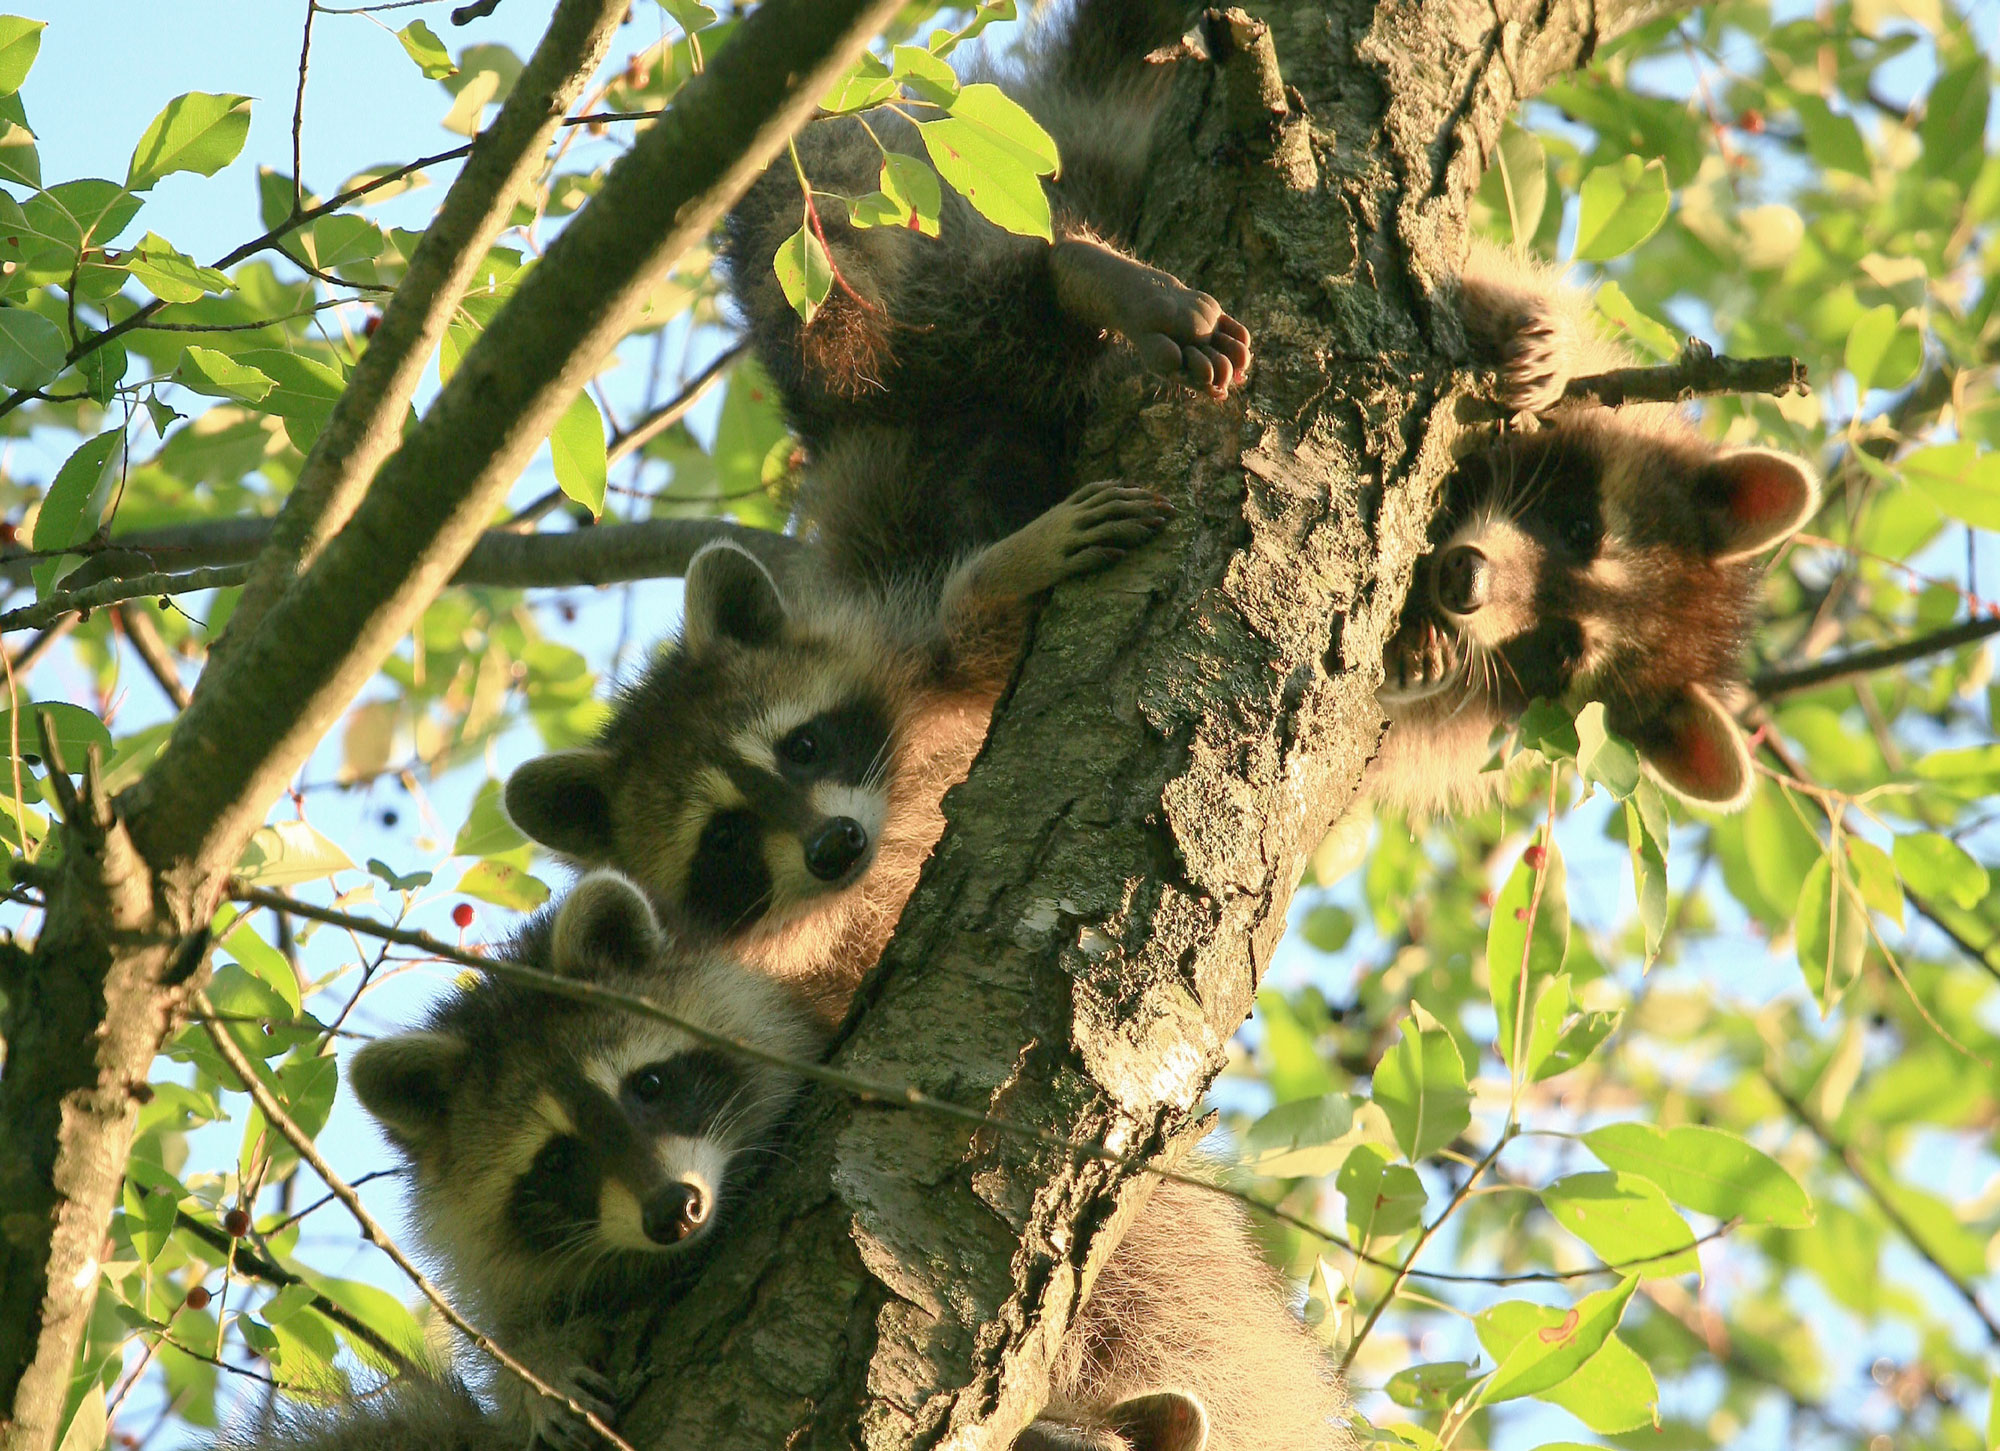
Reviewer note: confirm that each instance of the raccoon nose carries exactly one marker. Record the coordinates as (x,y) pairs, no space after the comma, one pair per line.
(1460,579)
(676,1212)
(835,847)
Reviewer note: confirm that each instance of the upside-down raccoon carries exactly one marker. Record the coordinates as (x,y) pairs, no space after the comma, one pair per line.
(563,1155)
(564,1152)
(1611,554)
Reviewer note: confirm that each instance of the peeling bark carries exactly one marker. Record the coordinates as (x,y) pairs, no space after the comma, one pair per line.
(1091,929)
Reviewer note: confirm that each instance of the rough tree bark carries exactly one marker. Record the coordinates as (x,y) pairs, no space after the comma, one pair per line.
(124,942)
(1092,928)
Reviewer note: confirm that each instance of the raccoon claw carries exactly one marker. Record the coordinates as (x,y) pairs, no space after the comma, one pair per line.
(1101,521)
(562,1429)
(1177,331)
(1532,375)
(1204,347)
(1417,662)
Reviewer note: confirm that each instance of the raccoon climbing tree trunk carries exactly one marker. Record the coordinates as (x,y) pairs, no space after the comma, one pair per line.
(1092,928)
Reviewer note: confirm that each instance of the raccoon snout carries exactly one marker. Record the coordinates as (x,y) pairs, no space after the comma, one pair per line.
(835,847)
(1461,580)
(675,1213)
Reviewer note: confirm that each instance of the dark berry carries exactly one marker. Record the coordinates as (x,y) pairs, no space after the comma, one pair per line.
(236,1223)
(390,818)
(198,1298)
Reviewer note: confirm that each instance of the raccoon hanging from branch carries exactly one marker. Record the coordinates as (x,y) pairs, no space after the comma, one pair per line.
(566,1157)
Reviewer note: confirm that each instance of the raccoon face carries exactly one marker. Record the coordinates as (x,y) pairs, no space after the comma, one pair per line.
(549,1138)
(1590,562)
(745,778)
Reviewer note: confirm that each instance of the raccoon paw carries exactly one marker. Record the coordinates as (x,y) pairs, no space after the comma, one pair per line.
(559,1428)
(1419,658)
(1534,364)
(1177,331)
(1098,523)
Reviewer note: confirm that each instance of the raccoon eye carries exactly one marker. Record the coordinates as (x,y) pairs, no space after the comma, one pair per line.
(801,747)
(1580,535)
(648,1085)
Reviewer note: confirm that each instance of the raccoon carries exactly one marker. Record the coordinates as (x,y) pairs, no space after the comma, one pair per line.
(941,388)
(774,778)
(1610,554)
(419,1411)
(565,1158)
(537,1159)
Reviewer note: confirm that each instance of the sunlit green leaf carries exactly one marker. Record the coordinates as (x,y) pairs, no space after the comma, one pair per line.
(1937,866)
(1621,205)
(196,132)
(1832,931)
(1546,1357)
(581,461)
(805,272)
(1706,1169)
(1627,1220)
(1517,966)
(1420,1085)
(289,852)
(32,349)
(423,47)
(20,41)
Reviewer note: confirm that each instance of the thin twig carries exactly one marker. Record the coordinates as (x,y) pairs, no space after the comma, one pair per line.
(152,651)
(1865,1177)
(659,420)
(116,591)
(1770,684)
(302,1144)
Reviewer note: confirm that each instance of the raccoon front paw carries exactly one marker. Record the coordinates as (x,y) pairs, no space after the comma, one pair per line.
(1419,658)
(1534,363)
(1099,523)
(558,1428)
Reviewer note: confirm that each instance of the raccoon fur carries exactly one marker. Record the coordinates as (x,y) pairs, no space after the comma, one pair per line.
(418,1411)
(1185,1340)
(563,1157)
(774,777)
(1610,554)
(941,388)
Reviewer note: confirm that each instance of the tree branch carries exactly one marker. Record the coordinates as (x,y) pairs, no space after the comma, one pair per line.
(1770,684)
(366,422)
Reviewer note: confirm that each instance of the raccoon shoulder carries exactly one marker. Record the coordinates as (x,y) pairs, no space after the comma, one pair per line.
(1187,1301)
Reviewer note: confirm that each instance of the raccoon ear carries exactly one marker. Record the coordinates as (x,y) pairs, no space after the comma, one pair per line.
(563,801)
(730,596)
(406,1083)
(1161,1421)
(605,918)
(1698,753)
(1763,497)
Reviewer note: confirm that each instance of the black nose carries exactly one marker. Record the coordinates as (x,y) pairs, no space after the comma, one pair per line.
(1460,579)
(676,1212)
(835,847)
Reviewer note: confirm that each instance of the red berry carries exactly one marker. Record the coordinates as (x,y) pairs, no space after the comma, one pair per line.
(198,1298)
(1534,856)
(462,915)
(1520,914)
(236,1223)
(1486,899)
(1752,120)
(370,323)
(9,533)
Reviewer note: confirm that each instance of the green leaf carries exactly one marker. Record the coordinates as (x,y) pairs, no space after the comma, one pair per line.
(196,132)
(995,155)
(487,831)
(90,212)
(1832,932)
(1974,769)
(1383,1199)
(76,730)
(1602,756)
(32,349)
(1327,928)
(74,504)
(1955,120)
(1937,866)
(1516,184)
(289,852)
(909,197)
(19,161)
(397,881)
(805,272)
(421,44)
(1508,944)
(504,884)
(1940,1232)
(1432,1387)
(924,75)
(307,1086)
(220,376)
(1580,1035)
(1655,337)
(1649,864)
(1782,848)
(257,957)
(1308,1137)
(172,276)
(865,85)
(20,41)
(1875,876)
(1611,1392)
(1833,140)
(1959,479)
(1880,352)
(1707,1170)
(577,447)
(1420,1085)
(1548,1356)
(1620,206)
(1626,1220)
(342,238)
(380,1311)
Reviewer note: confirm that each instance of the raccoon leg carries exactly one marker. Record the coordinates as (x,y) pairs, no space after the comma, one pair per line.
(561,1429)
(1177,331)
(983,609)
(1047,1435)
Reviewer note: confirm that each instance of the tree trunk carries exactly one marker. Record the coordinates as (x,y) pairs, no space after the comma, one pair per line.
(1092,928)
